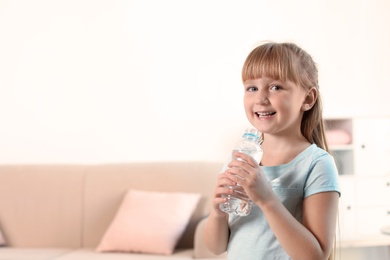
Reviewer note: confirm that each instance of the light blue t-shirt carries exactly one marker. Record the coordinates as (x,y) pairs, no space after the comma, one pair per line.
(310,172)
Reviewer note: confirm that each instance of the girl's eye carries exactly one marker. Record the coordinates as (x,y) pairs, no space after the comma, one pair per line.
(276,87)
(251,89)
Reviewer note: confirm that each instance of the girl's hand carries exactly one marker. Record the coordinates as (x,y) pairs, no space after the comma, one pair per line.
(222,188)
(245,171)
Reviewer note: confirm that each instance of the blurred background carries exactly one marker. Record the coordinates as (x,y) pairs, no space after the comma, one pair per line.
(108,81)
(118,81)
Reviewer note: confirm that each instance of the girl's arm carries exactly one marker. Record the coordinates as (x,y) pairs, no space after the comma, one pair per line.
(216,232)
(311,239)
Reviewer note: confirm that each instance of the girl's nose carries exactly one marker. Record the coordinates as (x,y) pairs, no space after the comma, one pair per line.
(262,100)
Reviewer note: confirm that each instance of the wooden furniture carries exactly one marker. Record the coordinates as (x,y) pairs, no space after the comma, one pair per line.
(364,169)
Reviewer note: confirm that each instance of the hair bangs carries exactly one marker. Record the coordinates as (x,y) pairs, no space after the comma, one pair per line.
(269,60)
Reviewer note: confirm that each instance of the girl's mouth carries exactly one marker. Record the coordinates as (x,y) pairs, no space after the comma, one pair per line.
(264,114)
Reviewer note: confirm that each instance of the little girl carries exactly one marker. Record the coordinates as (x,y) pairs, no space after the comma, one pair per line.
(294,190)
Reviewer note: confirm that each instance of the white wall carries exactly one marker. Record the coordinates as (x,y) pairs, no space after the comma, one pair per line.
(118,81)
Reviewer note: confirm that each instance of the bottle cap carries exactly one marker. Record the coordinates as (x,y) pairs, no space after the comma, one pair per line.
(252,133)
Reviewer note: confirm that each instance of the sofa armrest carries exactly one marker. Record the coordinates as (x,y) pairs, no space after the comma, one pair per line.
(200,249)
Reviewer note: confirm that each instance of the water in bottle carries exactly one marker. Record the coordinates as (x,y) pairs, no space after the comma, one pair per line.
(238,203)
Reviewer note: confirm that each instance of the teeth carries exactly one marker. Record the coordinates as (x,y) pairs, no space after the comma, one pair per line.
(265,113)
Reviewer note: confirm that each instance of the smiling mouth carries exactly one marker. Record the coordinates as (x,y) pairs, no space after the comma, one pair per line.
(265,114)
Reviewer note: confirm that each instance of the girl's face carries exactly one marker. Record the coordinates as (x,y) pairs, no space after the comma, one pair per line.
(275,107)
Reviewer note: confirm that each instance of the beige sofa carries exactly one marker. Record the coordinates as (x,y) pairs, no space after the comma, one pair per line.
(62,211)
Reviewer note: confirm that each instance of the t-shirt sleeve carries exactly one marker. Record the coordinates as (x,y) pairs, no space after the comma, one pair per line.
(323,176)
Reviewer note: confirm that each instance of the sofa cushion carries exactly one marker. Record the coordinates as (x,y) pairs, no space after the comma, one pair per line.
(105,186)
(8,253)
(149,222)
(91,254)
(41,205)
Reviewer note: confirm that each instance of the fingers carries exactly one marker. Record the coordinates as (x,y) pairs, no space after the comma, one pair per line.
(224,187)
(224,180)
(222,191)
(242,170)
(236,175)
(246,158)
(239,171)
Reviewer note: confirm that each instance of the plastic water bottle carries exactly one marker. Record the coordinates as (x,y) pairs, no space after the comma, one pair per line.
(238,203)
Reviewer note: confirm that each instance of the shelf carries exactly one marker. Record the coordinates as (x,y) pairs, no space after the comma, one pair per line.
(365,241)
(339,133)
(361,150)
(344,161)
(341,147)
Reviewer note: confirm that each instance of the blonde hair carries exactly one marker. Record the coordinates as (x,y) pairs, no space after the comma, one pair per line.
(287,61)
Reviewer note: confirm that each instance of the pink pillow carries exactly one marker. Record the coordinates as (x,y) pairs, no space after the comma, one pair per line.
(2,240)
(338,137)
(149,222)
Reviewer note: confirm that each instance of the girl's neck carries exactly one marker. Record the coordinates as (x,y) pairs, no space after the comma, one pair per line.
(281,150)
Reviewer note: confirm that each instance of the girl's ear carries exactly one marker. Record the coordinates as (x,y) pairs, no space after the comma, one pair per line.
(310,99)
